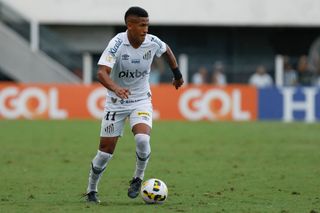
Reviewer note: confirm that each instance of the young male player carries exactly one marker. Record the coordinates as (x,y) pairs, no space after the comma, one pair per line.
(124,69)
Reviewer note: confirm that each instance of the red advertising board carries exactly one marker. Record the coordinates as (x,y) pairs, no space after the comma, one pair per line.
(66,101)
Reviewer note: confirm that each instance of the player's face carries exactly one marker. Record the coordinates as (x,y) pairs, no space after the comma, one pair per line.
(138,28)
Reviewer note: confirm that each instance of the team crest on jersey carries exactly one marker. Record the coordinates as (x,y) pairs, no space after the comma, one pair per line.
(109,129)
(125,57)
(147,55)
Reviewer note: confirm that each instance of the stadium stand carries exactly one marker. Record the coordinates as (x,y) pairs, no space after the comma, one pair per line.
(240,37)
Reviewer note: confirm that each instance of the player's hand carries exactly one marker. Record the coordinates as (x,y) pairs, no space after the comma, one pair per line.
(177,83)
(122,93)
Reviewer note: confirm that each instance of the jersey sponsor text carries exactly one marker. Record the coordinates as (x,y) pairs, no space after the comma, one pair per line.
(136,74)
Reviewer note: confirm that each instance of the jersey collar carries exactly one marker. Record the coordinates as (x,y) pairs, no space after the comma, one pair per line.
(126,40)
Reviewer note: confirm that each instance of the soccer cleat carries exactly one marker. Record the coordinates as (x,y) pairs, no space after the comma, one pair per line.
(134,188)
(92,197)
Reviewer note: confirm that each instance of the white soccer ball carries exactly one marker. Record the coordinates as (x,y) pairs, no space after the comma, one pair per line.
(154,191)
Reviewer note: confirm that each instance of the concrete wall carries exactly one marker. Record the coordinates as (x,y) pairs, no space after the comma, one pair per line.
(175,12)
(92,39)
(18,62)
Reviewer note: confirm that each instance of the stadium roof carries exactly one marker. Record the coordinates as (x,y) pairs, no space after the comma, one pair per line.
(174,12)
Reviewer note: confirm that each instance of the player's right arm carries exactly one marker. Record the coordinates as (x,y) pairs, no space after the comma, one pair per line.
(106,81)
(106,62)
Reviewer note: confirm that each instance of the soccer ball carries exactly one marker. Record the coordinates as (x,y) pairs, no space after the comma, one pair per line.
(154,191)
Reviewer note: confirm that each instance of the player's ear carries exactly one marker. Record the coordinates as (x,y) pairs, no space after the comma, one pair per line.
(129,25)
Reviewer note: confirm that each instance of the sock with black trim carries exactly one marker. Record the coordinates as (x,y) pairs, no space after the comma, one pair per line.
(143,151)
(98,165)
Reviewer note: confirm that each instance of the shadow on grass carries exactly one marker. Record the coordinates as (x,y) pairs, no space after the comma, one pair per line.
(122,203)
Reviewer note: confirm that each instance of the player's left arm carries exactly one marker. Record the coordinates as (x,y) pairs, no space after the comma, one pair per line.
(171,60)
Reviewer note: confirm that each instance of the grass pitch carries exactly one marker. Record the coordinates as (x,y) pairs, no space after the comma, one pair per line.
(207,166)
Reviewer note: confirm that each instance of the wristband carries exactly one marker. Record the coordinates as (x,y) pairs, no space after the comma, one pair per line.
(177,74)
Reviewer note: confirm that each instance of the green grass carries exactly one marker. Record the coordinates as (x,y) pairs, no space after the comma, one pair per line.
(207,166)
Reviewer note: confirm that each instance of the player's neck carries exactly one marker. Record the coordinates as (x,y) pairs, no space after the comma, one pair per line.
(135,43)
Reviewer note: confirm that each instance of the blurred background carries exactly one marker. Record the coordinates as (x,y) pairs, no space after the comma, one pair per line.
(261,43)
(242,60)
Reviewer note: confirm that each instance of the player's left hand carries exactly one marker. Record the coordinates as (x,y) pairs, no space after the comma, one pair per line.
(177,83)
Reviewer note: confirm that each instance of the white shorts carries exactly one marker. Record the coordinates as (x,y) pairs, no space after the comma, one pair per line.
(116,113)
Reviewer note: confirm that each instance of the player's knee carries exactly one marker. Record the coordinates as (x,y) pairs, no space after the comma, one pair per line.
(106,148)
(100,161)
(108,145)
(143,148)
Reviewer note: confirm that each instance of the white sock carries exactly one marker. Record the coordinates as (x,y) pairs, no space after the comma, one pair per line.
(98,165)
(143,151)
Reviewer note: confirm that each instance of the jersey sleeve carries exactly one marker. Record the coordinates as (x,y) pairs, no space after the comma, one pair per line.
(111,53)
(162,47)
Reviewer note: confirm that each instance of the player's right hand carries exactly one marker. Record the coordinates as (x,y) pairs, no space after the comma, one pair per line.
(122,93)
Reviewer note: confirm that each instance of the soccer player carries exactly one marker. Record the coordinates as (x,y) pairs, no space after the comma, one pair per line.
(124,69)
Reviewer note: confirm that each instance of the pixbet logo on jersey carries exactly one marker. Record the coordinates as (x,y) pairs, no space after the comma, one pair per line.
(136,74)
(217,104)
